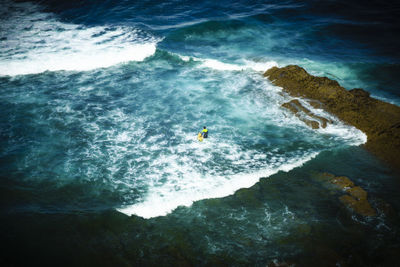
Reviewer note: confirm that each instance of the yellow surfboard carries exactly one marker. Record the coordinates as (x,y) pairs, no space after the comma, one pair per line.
(200,137)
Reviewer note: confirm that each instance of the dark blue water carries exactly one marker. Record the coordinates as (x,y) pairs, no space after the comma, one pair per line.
(101,104)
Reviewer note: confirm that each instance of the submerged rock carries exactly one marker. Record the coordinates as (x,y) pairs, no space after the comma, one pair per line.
(378,119)
(357,193)
(360,206)
(342,182)
(323,176)
(354,197)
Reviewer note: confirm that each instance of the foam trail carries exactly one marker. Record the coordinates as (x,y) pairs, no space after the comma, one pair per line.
(260,66)
(337,128)
(159,203)
(218,65)
(36,42)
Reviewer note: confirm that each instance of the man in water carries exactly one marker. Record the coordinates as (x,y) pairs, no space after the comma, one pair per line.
(204,133)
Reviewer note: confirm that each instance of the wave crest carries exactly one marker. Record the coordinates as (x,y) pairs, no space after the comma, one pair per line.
(35,42)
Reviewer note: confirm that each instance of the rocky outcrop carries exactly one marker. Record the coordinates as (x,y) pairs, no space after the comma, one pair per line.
(378,119)
(354,197)
(305,115)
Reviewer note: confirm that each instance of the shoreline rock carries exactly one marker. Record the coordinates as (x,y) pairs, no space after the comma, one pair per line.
(379,120)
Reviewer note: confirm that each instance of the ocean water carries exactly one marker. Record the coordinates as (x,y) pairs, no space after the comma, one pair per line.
(101,103)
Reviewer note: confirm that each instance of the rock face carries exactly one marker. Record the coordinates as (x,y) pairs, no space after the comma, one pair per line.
(378,119)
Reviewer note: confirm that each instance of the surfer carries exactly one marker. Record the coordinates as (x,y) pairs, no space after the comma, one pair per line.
(204,133)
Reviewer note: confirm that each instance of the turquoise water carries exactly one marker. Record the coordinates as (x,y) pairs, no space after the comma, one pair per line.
(101,105)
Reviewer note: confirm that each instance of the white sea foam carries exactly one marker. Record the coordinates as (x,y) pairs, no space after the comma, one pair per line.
(165,199)
(345,132)
(243,65)
(218,65)
(256,66)
(337,128)
(36,42)
(259,65)
(83,60)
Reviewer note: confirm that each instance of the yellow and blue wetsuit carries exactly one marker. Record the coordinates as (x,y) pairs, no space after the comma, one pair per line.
(205,133)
